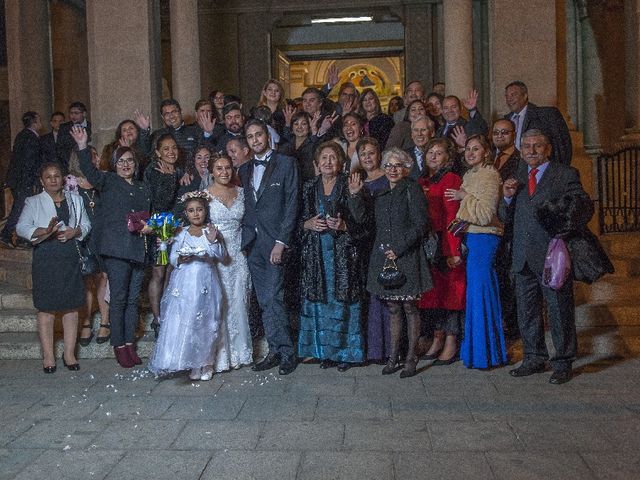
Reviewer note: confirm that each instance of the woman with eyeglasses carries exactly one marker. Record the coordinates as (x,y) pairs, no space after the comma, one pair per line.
(123,251)
(401,222)
(483,345)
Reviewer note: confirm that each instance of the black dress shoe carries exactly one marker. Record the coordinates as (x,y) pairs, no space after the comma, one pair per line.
(74,367)
(270,361)
(288,364)
(525,370)
(50,369)
(344,366)
(559,377)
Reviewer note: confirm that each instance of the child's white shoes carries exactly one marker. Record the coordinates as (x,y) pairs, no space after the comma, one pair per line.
(207,373)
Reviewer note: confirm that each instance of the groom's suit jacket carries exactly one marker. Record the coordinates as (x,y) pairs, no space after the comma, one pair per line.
(271,211)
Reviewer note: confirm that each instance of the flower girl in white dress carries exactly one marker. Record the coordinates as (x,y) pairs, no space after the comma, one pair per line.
(190,314)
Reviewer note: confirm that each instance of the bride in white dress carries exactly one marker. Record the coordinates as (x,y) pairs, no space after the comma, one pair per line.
(226,210)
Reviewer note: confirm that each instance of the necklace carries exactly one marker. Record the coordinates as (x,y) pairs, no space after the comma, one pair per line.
(92,204)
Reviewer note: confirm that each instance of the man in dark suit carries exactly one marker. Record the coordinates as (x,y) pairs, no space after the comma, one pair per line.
(527,116)
(422,130)
(452,113)
(507,162)
(537,181)
(50,140)
(22,176)
(65,143)
(270,182)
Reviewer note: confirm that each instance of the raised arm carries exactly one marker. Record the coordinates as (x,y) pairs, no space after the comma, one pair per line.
(94,176)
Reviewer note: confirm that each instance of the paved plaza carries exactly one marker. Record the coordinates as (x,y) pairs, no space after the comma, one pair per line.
(446,423)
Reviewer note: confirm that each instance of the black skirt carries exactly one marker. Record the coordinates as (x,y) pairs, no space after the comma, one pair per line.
(57,279)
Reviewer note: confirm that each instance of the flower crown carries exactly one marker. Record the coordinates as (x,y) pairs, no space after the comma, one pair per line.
(198,194)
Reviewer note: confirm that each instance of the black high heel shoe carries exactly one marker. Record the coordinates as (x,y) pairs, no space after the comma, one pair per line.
(155,325)
(74,367)
(85,341)
(50,369)
(106,337)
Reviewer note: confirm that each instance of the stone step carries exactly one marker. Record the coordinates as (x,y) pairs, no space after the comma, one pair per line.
(24,320)
(24,345)
(621,245)
(601,315)
(15,297)
(611,341)
(626,267)
(16,255)
(16,273)
(608,290)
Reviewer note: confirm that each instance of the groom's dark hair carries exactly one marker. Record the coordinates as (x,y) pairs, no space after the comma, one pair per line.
(257,122)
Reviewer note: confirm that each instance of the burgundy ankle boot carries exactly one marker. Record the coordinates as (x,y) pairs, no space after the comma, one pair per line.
(123,357)
(133,354)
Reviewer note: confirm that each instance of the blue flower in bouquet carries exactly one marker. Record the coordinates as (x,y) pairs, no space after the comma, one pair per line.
(164,225)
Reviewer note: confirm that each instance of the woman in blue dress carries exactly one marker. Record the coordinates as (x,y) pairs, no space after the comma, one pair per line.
(332,284)
(483,344)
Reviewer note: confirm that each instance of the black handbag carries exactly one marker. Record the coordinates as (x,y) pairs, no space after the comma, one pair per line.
(88,260)
(390,276)
(432,248)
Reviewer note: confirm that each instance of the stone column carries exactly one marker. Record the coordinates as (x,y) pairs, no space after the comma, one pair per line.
(124,63)
(254,54)
(185,54)
(28,60)
(522,46)
(632,70)
(418,39)
(458,47)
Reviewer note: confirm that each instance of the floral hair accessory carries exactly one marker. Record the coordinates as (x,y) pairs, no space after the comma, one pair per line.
(198,194)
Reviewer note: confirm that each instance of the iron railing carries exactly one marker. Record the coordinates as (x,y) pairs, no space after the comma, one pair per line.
(619,208)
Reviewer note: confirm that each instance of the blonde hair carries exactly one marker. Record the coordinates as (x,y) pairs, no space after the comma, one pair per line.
(263,99)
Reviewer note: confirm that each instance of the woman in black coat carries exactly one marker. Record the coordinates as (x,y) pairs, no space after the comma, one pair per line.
(123,252)
(401,219)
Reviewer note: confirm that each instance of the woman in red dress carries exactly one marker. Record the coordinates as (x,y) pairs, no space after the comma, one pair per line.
(447,298)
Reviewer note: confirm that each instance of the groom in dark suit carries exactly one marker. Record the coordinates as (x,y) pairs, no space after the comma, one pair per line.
(271,185)
(539,180)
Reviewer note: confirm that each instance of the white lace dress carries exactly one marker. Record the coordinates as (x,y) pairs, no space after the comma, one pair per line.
(190,310)
(236,349)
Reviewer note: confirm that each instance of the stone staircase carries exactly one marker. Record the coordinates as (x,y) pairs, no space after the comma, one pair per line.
(18,323)
(607,312)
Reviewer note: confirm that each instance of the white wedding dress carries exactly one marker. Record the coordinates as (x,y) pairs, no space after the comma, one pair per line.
(191,322)
(236,349)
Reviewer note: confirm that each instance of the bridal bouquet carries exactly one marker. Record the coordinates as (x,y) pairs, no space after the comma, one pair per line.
(164,225)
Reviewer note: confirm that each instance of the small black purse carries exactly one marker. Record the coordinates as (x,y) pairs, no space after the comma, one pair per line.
(88,260)
(390,276)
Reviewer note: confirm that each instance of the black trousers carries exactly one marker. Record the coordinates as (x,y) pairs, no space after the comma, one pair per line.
(507,286)
(125,282)
(19,197)
(268,284)
(561,314)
